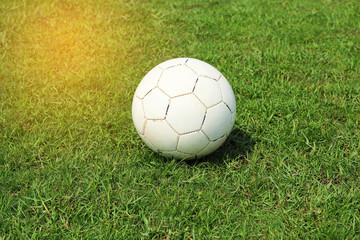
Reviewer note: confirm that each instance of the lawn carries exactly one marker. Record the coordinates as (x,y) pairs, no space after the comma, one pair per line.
(73,167)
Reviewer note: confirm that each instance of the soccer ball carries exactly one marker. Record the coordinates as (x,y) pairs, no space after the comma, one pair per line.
(184,108)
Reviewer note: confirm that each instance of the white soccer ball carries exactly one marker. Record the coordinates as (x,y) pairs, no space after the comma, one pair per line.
(184,108)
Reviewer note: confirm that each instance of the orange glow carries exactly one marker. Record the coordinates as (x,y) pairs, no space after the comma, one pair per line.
(62,41)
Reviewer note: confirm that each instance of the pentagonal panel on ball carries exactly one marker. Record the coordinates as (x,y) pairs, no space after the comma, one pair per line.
(208,91)
(161,135)
(227,93)
(177,81)
(155,104)
(138,115)
(217,121)
(192,142)
(214,145)
(203,68)
(185,114)
(149,82)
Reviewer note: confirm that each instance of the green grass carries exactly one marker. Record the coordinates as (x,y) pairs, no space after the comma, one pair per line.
(73,166)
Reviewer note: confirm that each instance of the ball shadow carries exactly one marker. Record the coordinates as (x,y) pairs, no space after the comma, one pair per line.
(238,145)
